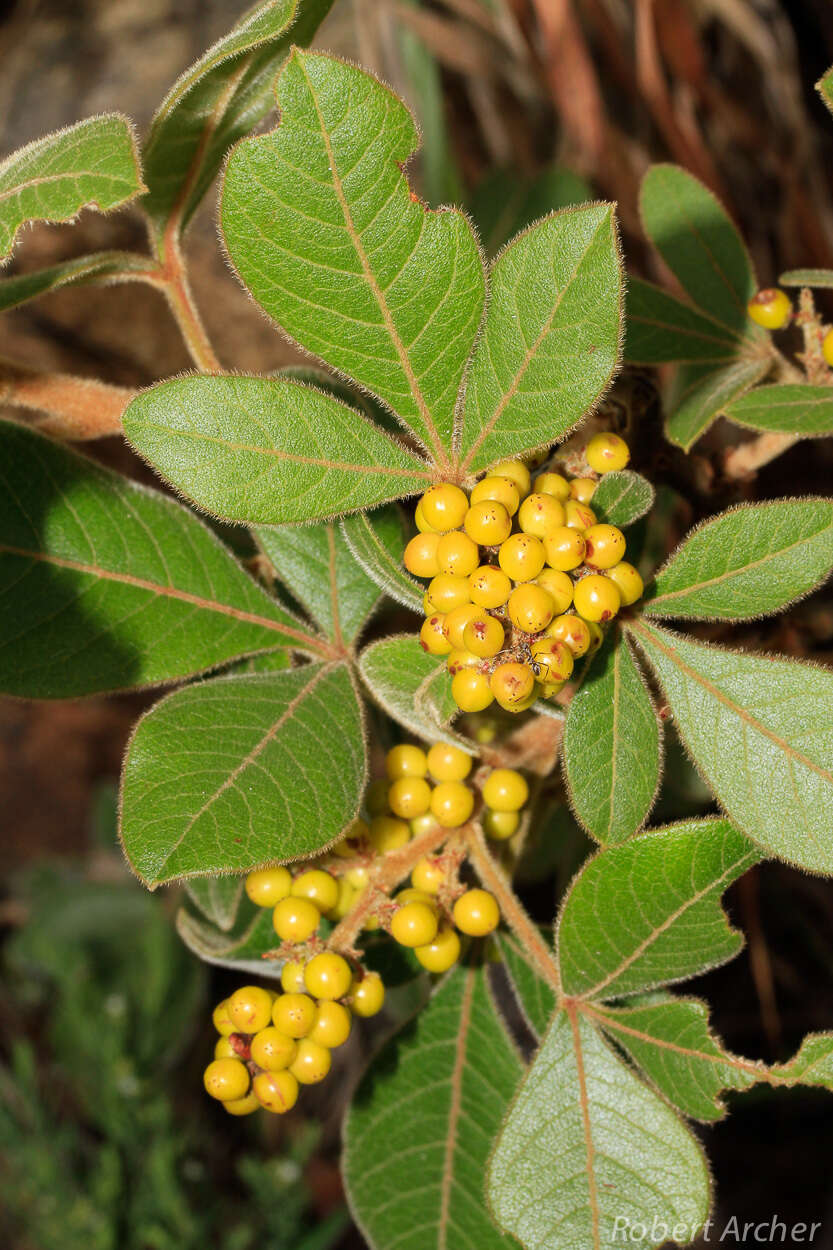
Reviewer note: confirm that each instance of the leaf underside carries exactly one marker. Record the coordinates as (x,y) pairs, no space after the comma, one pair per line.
(412,688)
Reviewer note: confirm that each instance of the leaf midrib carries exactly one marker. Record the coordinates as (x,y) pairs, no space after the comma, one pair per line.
(455,1108)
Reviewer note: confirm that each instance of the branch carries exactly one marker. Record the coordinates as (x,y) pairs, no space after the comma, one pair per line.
(76,409)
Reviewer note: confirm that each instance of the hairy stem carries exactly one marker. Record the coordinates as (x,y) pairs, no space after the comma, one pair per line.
(76,409)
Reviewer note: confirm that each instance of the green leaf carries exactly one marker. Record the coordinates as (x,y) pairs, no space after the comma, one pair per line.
(612,746)
(239,772)
(807,277)
(661,329)
(550,342)
(241,949)
(217,101)
(700,394)
(760,730)
(267,450)
(536,998)
(506,202)
(785,408)
(377,543)
(98,267)
(316,565)
(218,898)
(107,585)
(751,561)
(421,1125)
(412,687)
(320,225)
(588,1151)
(648,912)
(93,164)
(622,498)
(813,1065)
(824,86)
(700,245)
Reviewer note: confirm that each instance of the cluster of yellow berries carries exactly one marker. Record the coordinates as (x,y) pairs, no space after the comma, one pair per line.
(513,620)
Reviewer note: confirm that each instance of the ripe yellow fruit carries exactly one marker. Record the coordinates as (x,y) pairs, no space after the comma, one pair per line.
(250,1008)
(242,1106)
(558,586)
(267,886)
(273,1050)
(530,608)
(583,489)
(432,636)
(367,996)
(445,591)
(405,760)
(428,876)
(221,1019)
(770,308)
(501,825)
(420,556)
(521,557)
(328,975)
(578,515)
(488,523)
(442,953)
(553,484)
(827,347)
(292,977)
(512,684)
(540,513)
(573,631)
(226,1079)
(321,888)
(483,635)
(414,924)
(501,490)
(460,658)
(457,554)
(456,622)
(421,523)
(444,506)
(276,1091)
(489,586)
(471,691)
(606,453)
(476,913)
(409,797)
(516,471)
(332,1025)
(224,1049)
(505,790)
(564,548)
(452,802)
(552,660)
(293,1014)
(447,762)
(597,598)
(347,894)
(628,582)
(604,546)
(388,834)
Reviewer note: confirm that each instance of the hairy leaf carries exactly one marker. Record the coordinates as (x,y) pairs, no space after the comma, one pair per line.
(661,329)
(751,561)
(435,1096)
(536,998)
(267,450)
(550,342)
(760,730)
(588,1150)
(699,394)
(107,585)
(807,277)
(218,898)
(412,687)
(785,408)
(320,225)
(98,267)
(241,949)
(93,164)
(813,1065)
(377,543)
(217,101)
(648,912)
(622,498)
(612,746)
(239,772)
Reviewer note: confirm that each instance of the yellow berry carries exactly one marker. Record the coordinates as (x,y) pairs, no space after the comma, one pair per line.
(409,797)
(357,877)
(827,347)
(488,523)
(224,1049)
(500,825)
(447,762)
(242,1106)
(564,548)
(445,591)
(414,924)
(530,608)
(367,996)
(597,598)
(553,484)
(607,452)
(293,1014)
(267,886)
(387,833)
(596,633)
(604,546)
(471,691)
(516,471)
(250,1008)
(328,975)
(321,888)
(457,554)
(428,875)
(444,506)
(540,513)
(226,1079)
(312,1062)
(549,689)
(628,582)
(770,308)
(332,1025)
(456,621)
(432,637)
(476,913)
(422,824)
(512,684)
(578,515)
(421,523)
(405,760)
(573,631)
(295,919)
(420,556)
(483,635)
(273,1050)
(460,658)
(276,1091)
(501,490)
(347,894)
(412,895)
(440,954)
(452,802)
(583,489)
(292,977)
(558,586)
(505,790)
(552,659)
(521,557)
(222,1020)
(489,586)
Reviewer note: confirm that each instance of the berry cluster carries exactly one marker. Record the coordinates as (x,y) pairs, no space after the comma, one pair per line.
(521,578)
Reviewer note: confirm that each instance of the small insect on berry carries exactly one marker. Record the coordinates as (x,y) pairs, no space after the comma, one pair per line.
(770,308)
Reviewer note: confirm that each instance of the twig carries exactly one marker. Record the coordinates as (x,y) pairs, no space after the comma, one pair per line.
(77,409)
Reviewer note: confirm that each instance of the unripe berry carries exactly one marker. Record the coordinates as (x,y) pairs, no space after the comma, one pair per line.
(295,919)
(428,876)
(221,1019)
(606,453)
(489,586)
(521,557)
(628,582)
(332,1025)
(553,484)
(444,506)
(250,1008)
(409,797)
(311,1064)
(328,975)
(558,586)
(540,513)
(276,1091)
(505,790)
(460,658)
(293,1014)
(604,546)
(226,1079)
(273,1050)
(367,996)
(564,548)
(516,471)
(500,490)
(501,825)
(413,924)
(405,760)
(242,1106)
(476,913)
(578,515)
(442,953)
(512,684)
(597,598)
(770,308)
(530,608)
(446,592)
(267,886)
(447,762)
(457,554)
(452,802)
(456,621)
(420,556)
(321,888)
(292,977)
(488,523)
(583,489)
(573,631)
(483,635)
(471,691)
(432,635)
(553,660)
(387,833)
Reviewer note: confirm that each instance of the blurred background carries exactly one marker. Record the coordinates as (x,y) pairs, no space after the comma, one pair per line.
(106,1139)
